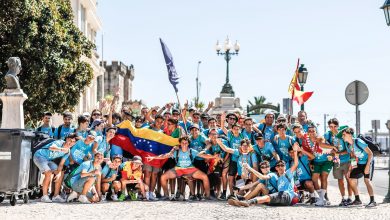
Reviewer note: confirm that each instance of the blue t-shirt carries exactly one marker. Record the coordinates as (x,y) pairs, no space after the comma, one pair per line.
(281,147)
(303,169)
(103,146)
(269,133)
(234,143)
(187,125)
(249,135)
(272,183)
(265,153)
(286,183)
(107,172)
(318,156)
(216,149)
(64,131)
(198,144)
(249,158)
(47,130)
(116,150)
(82,134)
(359,147)
(184,159)
(51,155)
(80,150)
(219,132)
(339,143)
(87,166)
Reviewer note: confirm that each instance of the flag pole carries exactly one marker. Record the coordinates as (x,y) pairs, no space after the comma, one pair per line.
(181,113)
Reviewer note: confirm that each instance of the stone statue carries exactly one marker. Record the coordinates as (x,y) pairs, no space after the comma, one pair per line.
(14,66)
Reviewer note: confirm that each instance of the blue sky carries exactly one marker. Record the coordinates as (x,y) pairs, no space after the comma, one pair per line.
(338,41)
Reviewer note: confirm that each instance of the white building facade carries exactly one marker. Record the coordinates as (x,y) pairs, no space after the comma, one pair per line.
(87,20)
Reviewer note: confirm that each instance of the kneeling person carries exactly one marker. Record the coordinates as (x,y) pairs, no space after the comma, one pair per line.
(108,178)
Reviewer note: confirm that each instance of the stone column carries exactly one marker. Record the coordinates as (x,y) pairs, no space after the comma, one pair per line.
(13,114)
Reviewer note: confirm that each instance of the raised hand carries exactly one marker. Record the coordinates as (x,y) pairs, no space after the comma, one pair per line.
(149,158)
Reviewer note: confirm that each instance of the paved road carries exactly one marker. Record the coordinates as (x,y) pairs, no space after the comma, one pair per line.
(380,182)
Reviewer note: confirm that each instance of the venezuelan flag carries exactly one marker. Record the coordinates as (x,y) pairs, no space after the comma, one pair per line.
(143,142)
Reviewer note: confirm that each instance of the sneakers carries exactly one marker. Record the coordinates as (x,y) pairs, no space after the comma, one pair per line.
(164,198)
(233,202)
(222,197)
(114,197)
(240,197)
(151,197)
(349,201)
(46,199)
(133,196)
(192,198)
(84,199)
(103,198)
(59,199)
(73,195)
(173,198)
(243,203)
(356,202)
(158,195)
(181,198)
(231,196)
(344,202)
(122,197)
(371,204)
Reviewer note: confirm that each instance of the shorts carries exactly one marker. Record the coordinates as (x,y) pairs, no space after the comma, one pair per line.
(232,168)
(151,168)
(79,185)
(169,164)
(185,172)
(325,166)
(338,172)
(280,199)
(358,172)
(201,165)
(44,164)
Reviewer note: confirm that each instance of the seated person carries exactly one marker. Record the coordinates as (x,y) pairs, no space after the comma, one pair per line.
(108,178)
(131,175)
(43,159)
(83,179)
(285,195)
(263,186)
(184,167)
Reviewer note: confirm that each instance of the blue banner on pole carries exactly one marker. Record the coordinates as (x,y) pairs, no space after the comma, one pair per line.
(172,74)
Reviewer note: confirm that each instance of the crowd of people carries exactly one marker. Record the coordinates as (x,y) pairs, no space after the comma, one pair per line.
(228,157)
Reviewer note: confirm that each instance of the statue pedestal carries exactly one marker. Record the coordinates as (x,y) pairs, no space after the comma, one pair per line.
(13,114)
(226,102)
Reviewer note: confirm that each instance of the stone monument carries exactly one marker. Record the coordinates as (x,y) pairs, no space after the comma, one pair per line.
(13,97)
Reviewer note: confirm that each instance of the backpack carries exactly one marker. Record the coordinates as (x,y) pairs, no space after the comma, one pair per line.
(52,129)
(374,147)
(59,132)
(41,144)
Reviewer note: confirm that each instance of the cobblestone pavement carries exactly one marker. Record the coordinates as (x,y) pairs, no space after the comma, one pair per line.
(191,210)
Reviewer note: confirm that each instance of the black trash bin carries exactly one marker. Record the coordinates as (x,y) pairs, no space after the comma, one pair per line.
(15,156)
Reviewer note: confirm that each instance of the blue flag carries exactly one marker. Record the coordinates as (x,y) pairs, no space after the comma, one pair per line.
(172,74)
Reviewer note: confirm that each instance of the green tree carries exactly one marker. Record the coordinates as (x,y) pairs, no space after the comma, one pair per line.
(258,100)
(42,34)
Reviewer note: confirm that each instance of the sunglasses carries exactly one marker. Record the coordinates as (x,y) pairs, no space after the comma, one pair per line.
(263,167)
(232,118)
(311,131)
(96,114)
(248,124)
(280,165)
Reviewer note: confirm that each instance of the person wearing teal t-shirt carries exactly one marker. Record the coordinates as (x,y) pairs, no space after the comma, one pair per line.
(361,152)
(342,161)
(285,195)
(43,159)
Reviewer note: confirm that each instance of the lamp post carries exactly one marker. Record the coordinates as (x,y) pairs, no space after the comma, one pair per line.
(197,85)
(386,10)
(227,53)
(302,77)
(387,197)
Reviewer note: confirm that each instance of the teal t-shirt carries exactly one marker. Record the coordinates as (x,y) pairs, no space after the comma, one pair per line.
(198,144)
(184,159)
(51,155)
(265,153)
(249,158)
(272,183)
(234,143)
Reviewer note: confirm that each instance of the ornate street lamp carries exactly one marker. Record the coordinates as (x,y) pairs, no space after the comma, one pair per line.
(386,10)
(302,77)
(227,53)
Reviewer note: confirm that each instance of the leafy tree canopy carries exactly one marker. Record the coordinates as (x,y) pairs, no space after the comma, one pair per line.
(42,34)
